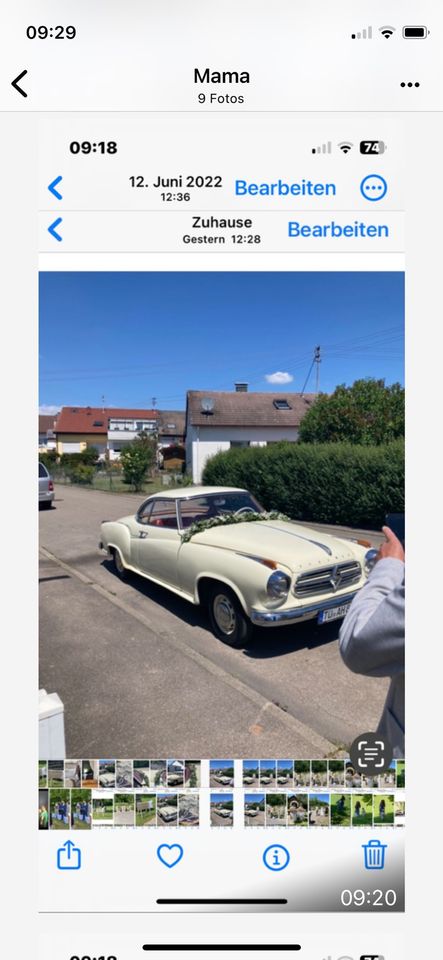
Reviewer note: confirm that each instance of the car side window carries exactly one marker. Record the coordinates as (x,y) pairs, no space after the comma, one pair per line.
(163,514)
(144,512)
(42,471)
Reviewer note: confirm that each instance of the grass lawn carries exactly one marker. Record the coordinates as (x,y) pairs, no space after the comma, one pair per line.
(55,783)
(81,825)
(145,818)
(115,484)
(59,825)
(388,817)
(364,820)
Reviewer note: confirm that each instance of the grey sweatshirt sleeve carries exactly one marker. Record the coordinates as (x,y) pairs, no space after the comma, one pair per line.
(372,636)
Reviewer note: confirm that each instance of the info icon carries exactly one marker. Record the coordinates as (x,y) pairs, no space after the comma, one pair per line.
(276,857)
(371,754)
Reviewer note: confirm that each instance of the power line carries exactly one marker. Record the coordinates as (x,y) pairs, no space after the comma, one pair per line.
(316,360)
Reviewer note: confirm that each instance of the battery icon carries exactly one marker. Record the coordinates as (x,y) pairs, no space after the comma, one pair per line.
(415,33)
(371,147)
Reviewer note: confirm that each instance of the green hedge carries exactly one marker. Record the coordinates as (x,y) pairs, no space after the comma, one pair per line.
(329,483)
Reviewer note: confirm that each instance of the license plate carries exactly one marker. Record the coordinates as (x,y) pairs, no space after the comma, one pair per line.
(334,613)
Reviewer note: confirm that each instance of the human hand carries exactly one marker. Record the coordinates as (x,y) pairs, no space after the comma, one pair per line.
(392,548)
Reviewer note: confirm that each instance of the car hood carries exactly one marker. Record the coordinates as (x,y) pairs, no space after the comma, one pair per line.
(291,544)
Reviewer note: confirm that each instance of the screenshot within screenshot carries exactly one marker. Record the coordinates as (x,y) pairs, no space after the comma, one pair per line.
(221,273)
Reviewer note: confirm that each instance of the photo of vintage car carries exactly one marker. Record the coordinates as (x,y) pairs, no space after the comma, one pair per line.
(217,547)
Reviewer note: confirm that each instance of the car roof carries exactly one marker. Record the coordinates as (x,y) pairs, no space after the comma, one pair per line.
(184,493)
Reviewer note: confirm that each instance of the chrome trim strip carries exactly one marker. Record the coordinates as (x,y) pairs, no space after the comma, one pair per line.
(315,543)
(269,617)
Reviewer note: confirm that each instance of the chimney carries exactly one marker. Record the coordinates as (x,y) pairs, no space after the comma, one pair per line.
(241,387)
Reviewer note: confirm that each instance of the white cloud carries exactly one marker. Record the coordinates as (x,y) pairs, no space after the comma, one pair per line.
(47,409)
(279,377)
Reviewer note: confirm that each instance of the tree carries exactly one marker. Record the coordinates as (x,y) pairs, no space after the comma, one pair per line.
(368,413)
(137,458)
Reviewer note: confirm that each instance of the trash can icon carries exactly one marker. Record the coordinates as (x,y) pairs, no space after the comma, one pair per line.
(374,854)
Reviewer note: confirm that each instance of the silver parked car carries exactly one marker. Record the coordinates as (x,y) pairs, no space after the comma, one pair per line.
(45,487)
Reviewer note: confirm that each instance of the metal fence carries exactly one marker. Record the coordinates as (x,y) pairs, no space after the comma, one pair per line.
(100,477)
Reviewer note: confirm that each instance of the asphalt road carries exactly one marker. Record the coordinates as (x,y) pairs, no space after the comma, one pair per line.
(141,675)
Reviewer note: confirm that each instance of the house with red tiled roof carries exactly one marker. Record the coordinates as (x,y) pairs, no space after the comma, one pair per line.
(219,420)
(108,429)
(46,434)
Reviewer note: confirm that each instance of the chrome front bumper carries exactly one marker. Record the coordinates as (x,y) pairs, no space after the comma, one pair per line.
(273,618)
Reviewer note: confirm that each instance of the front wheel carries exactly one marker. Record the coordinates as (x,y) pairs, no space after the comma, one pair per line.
(118,565)
(228,620)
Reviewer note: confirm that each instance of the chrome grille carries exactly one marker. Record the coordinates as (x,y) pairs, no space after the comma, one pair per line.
(327,579)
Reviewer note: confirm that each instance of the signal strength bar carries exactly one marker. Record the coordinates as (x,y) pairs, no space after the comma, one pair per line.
(365,34)
(323,148)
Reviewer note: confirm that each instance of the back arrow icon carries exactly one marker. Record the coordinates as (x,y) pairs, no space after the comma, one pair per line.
(53,231)
(14,83)
(52,187)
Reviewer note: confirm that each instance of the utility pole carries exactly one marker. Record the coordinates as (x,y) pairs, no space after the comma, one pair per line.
(317,361)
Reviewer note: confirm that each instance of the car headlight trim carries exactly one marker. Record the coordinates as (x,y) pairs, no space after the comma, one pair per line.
(278,585)
(370,559)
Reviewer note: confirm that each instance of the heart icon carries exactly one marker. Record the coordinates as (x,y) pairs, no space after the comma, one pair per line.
(170,854)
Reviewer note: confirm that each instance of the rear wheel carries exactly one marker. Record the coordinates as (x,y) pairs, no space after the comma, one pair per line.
(228,620)
(118,565)
(46,504)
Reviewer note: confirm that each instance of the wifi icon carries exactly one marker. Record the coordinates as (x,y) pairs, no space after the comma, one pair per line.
(345,146)
(387,32)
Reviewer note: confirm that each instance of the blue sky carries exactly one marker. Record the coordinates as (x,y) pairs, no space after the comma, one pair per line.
(221,764)
(133,336)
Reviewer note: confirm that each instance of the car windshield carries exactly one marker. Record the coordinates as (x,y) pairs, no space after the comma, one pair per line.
(216,505)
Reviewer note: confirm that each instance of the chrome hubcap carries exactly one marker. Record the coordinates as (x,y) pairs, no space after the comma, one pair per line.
(224,614)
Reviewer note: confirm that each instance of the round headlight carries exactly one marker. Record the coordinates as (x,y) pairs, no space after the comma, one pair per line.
(370,559)
(278,585)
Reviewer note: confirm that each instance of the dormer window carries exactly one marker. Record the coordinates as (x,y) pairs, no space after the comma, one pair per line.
(282,405)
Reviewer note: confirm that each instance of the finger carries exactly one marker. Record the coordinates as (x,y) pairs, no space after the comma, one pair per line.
(390,535)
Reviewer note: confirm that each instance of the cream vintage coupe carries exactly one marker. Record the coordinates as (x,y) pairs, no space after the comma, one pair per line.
(216,546)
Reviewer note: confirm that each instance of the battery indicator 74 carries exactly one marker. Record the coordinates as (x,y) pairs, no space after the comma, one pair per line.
(415,33)
(372,147)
